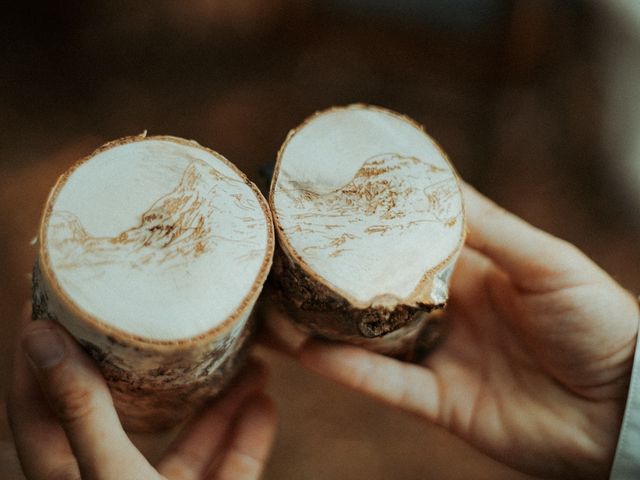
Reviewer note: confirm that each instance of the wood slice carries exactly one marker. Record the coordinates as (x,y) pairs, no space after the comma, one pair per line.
(152,253)
(369,219)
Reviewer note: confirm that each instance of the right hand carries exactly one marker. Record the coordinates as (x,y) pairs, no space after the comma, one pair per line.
(535,368)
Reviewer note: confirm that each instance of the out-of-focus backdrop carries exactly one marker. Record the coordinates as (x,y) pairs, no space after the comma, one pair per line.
(536,102)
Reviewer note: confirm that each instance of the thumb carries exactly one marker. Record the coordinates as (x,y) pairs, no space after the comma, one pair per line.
(79,397)
(533,259)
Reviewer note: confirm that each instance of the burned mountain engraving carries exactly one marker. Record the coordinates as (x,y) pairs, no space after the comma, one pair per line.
(177,228)
(389,195)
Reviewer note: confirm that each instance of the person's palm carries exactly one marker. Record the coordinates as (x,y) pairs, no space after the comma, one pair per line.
(534,367)
(536,374)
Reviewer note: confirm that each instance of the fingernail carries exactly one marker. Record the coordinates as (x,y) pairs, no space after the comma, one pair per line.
(44,347)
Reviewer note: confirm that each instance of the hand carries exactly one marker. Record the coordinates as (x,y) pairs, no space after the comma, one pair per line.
(65,426)
(535,367)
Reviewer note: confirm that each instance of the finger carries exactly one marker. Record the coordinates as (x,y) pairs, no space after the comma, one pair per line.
(253,436)
(41,444)
(191,454)
(407,386)
(534,259)
(80,400)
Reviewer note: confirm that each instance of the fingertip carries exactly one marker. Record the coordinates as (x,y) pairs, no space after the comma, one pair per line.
(40,325)
(43,345)
(57,360)
(50,338)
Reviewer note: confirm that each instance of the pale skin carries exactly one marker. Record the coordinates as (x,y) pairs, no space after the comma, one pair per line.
(535,367)
(534,372)
(66,428)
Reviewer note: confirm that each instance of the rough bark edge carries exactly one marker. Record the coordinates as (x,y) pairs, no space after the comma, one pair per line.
(152,402)
(147,409)
(317,310)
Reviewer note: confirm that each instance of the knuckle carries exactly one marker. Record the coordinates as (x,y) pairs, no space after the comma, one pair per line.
(570,257)
(73,404)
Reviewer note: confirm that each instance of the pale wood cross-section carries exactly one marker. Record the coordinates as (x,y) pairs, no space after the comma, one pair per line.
(370,221)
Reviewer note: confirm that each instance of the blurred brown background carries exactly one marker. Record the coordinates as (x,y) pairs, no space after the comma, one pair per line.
(518,92)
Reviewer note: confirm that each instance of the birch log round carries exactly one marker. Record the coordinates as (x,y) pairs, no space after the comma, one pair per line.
(152,253)
(370,221)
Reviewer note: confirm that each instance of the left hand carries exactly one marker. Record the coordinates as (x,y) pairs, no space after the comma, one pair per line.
(535,368)
(65,426)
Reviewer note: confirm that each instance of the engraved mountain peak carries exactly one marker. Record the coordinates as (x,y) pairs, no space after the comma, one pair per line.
(389,192)
(176,226)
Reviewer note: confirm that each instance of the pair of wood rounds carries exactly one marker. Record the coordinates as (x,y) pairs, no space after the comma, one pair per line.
(153,251)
